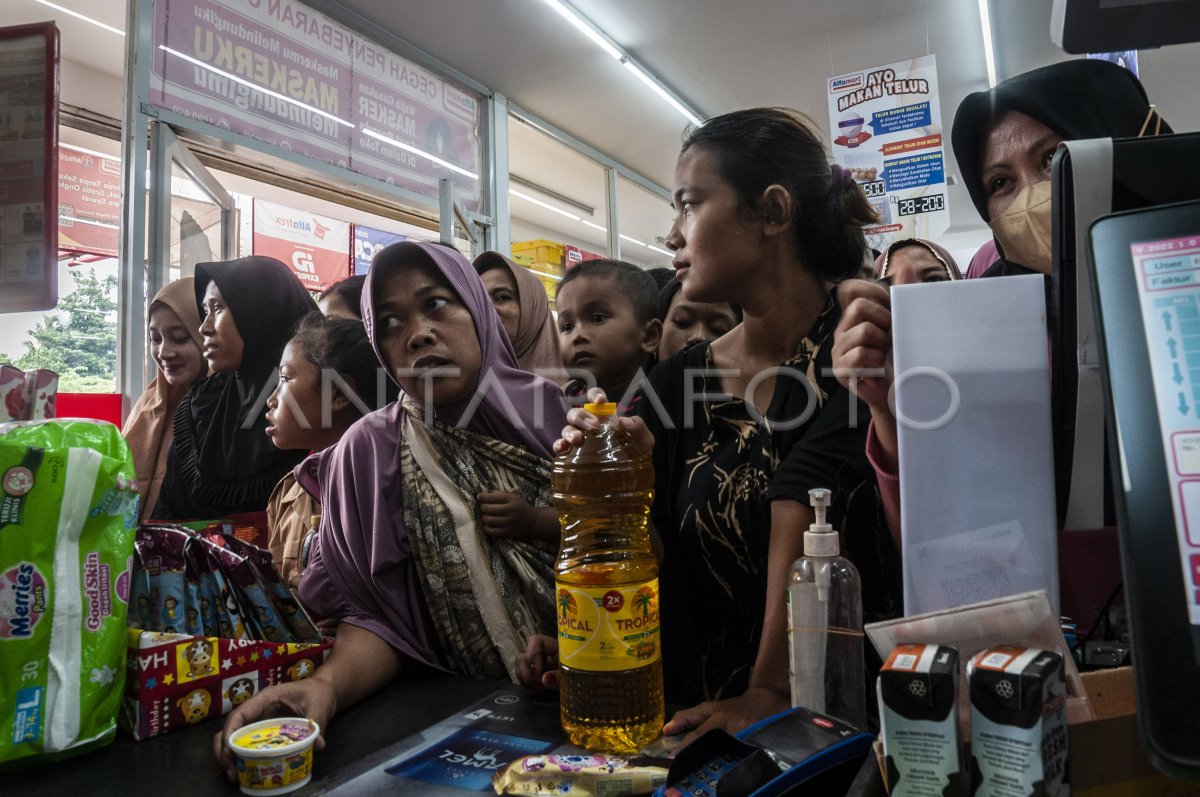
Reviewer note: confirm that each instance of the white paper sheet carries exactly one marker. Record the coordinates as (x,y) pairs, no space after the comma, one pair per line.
(975,445)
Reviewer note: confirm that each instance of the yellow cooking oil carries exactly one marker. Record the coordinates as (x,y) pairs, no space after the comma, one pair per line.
(610,657)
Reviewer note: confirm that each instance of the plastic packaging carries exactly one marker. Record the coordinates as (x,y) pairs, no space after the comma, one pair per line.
(825,629)
(579,776)
(274,756)
(606,577)
(68,506)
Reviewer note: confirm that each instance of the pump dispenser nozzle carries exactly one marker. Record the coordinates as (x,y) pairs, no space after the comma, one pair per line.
(820,539)
(819,499)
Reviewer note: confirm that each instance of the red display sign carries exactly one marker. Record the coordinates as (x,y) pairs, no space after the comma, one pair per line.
(316,248)
(89,202)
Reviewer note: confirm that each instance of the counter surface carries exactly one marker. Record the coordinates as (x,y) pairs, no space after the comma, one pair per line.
(180,763)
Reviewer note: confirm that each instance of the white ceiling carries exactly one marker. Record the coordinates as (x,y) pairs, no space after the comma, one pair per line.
(717,54)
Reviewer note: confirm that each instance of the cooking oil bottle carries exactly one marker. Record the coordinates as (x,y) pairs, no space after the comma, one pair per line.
(610,662)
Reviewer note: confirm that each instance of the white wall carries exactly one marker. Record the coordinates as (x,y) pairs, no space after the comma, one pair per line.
(90,89)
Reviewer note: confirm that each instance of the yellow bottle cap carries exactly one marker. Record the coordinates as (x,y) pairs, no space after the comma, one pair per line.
(602,410)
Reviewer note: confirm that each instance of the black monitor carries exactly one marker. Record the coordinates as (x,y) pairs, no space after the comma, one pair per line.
(1105,26)
(1135,173)
(1146,284)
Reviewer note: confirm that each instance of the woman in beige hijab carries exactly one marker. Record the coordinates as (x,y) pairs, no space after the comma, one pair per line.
(520,300)
(174,331)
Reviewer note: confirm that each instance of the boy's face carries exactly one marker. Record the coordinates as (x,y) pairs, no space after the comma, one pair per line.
(598,332)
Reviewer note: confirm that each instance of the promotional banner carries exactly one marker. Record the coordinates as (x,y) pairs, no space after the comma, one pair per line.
(317,248)
(368,241)
(284,74)
(89,202)
(28,166)
(886,128)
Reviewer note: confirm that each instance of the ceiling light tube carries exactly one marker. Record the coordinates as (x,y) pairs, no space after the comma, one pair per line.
(255,86)
(545,274)
(557,197)
(73,220)
(593,224)
(540,203)
(660,250)
(585,26)
(91,152)
(661,91)
(77,15)
(625,237)
(410,148)
(985,21)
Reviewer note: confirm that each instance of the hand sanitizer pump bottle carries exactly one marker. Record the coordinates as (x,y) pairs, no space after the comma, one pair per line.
(825,629)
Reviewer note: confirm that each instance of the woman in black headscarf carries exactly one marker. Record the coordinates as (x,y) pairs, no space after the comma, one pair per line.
(221,462)
(1004,139)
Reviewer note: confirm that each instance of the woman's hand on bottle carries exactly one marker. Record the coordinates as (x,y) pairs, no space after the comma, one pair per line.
(313,698)
(537,666)
(580,420)
(732,714)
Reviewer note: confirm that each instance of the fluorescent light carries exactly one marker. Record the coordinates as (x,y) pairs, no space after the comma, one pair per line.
(601,40)
(625,237)
(660,250)
(662,92)
(585,27)
(545,274)
(255,86)
(91,152)
(594,225)
(77,15)
(77,220)
(985,21)
(429,156)
(542,204)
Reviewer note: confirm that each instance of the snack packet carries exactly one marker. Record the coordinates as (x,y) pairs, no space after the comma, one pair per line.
(68,507)
(579,776)
(297,621)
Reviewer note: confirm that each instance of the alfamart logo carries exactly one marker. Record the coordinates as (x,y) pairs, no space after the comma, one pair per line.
(300,225)
(846,82)
(312,226)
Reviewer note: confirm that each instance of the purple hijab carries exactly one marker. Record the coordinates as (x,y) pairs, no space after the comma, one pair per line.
(362,570)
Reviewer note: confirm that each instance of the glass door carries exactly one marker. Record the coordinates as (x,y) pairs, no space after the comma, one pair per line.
(192,217)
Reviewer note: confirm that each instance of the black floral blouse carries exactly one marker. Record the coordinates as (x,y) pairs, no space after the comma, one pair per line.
(718,469)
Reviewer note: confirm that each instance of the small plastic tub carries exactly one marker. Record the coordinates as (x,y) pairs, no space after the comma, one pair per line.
(274,756)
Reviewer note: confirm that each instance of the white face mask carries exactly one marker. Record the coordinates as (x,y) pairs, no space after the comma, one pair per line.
(1023,229)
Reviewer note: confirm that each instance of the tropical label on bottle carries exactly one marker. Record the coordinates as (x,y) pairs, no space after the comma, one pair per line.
(608,629)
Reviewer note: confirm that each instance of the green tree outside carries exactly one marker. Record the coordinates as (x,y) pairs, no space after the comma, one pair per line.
(78,340)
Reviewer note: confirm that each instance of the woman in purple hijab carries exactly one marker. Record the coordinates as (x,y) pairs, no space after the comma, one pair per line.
(401,558)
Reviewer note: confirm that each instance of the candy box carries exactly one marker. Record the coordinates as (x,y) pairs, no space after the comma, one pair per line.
(177,680)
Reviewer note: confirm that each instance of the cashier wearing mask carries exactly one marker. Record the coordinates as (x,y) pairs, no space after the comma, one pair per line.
(1003,140)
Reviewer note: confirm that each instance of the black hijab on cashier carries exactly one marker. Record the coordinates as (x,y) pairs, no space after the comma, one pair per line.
(221,461)
(1079,99)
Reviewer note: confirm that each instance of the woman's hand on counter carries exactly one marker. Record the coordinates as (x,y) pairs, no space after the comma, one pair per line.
(313,698)
(733,714)
(359,664)
(537,666)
